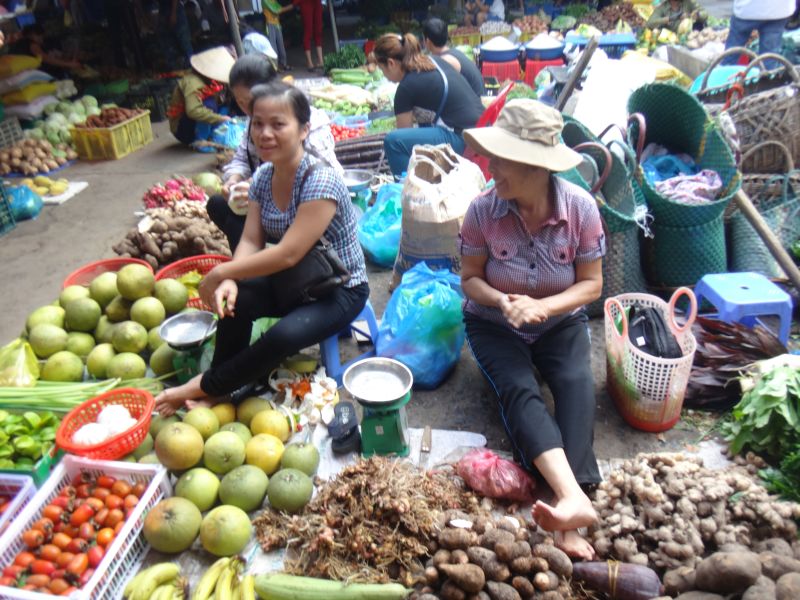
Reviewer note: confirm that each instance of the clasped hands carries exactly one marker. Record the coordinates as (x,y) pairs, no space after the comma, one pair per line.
(519,310)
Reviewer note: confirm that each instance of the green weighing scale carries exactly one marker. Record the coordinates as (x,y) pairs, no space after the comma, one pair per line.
(357,182)
(188,333)
(382,386)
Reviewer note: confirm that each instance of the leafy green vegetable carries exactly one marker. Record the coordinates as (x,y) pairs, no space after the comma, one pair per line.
(767,418)
(348,57)
(796,249)
(786,480)
(521,90)
(25,437)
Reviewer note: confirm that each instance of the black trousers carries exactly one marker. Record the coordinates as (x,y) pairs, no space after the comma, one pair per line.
(237,363)
(562,356)
(231,224)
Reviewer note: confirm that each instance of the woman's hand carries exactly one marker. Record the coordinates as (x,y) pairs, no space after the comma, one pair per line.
(520,310)
(220,294)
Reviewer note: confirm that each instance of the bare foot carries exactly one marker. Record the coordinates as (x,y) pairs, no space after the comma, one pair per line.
(569,513)
(206,402)
(574,544)
(171,399)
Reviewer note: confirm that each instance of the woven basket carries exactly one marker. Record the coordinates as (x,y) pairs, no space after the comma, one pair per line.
(777,199)
(677,256)
(677,121)
(768,115)
(617,198)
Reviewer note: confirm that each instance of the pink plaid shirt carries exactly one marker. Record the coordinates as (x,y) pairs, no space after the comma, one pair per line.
(539,265)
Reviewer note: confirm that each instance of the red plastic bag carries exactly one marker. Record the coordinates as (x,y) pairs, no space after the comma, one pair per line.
(487,119)
(496,477)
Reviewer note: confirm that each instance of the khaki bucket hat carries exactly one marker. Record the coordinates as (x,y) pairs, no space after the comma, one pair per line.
(526,131)
(215,63)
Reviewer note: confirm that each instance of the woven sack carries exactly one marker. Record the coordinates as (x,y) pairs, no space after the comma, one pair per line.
(677,121)
(618,199)
(766,115)
(777,199)
(677,256)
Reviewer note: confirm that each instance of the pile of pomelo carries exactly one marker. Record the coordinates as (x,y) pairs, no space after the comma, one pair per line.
(109,326)
(229,460)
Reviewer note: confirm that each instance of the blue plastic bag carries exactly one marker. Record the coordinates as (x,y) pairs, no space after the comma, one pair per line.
(659,168)
(25,203)
(423,326)
(229,134)
(380,227)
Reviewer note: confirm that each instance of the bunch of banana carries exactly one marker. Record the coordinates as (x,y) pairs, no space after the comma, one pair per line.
(159,582)
(223,582)
(44,186)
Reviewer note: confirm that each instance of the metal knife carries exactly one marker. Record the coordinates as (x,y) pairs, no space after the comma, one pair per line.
(425,447)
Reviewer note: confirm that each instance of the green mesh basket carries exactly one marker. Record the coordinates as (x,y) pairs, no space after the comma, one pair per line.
(618,200)
(7,221)
(677,256)
(677,121)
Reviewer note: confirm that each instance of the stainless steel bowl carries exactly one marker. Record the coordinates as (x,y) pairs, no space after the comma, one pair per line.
(357,179)
(377,381)
(188,330)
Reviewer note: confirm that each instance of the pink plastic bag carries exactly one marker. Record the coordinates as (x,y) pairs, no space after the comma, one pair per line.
(496,477)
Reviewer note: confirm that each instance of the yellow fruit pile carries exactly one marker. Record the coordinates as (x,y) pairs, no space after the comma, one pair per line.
(44,186)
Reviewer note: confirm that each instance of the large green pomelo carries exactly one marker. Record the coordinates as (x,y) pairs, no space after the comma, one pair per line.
(154,339)
(225,531)
(50,314)
(118,309)
(200,487)
(80,343)
(135,281)
(244,487)
(103,288)
(98,359)
(129,336)
(82,314)
(172,294)
(172,525)
(103,331)
(126,365)
(223,452)
(72,292)
(161,361)
(63,366)
(46,340)
(148,311)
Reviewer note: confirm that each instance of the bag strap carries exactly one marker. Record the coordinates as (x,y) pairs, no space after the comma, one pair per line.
(323,240)
(444,94)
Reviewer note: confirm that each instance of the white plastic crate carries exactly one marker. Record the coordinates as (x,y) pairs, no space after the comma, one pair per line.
(126,552)
(21,488)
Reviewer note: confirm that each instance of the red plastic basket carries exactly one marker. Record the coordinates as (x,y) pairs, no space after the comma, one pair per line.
(201,263)
(87,273)
(138,402)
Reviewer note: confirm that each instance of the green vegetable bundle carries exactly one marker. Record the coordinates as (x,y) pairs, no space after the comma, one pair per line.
(348,57)
(521,90)
(767,419)
(785,480)
(25,437)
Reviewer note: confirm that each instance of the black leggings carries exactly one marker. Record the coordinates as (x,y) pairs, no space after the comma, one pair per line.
(231,224)
(237,363)
(562,356)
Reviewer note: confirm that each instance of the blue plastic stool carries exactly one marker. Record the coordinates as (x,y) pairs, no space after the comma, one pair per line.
(329,348)
(741,297)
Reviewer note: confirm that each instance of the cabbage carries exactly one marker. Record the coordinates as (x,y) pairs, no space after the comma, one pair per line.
(78,107)
(76,118)
(57,119)
(66,136)
(210,182)
(36,133)
(93,111)
(53,136)
(89,101)
(64,107)
(50,108)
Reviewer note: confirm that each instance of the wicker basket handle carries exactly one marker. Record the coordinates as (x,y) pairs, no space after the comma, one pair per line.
(715,63)
(606,167)
(641,132)
(781,145)
(682,291)
(623,317)
(789,67)
(629,156)
(611,126)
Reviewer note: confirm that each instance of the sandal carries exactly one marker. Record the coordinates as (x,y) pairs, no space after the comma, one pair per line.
(286,67)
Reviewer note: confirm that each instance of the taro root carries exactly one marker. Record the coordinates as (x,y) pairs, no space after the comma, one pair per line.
(728,572)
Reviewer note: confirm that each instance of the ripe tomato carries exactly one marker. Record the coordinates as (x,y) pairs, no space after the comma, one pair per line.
(33,538)
(96,554)
(114,501)
(114,516)
(42,567)
(83,491)
(61,540)
(38,580)
(64,559)
(87,575)
(101,516)
(49,552)
(8,581)
(24,559)
(81,515)
(139,489)
(81,478)
(68,492)
(101,493)
(53,512)
(87,532)
(95,503)
(13,571)
(78,565)
(105,536)
(62,501)
(58,586)
(121,488)
(78,545)
(69,590)
(58,573)
(131,501)
(118,527)
(106,481)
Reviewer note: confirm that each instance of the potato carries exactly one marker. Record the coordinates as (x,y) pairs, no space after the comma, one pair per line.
(728,573)
(788,587)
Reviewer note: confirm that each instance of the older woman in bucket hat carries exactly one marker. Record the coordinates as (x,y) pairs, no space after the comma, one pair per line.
(531,251)
(193,108)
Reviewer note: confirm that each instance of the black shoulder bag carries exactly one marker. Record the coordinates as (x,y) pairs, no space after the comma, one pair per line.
(318,273)
(649,332)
